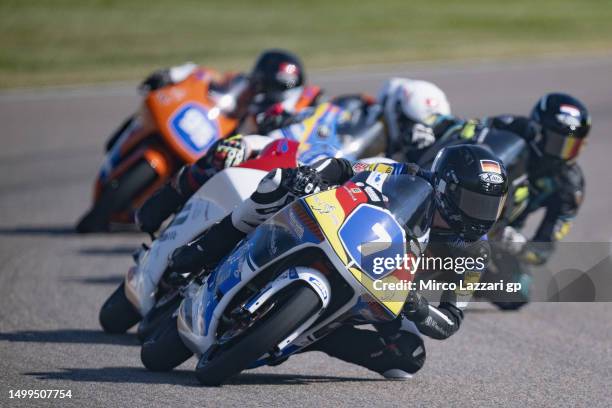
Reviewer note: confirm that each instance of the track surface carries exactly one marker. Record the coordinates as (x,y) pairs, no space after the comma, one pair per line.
(52,282)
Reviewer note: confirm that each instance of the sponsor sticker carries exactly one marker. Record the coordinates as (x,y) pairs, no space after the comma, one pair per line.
(372,194)
(570,110)
(377,180)
(288,73)
(493,178)
(360,166)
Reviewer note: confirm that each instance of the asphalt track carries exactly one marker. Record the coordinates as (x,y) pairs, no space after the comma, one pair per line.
(52,282)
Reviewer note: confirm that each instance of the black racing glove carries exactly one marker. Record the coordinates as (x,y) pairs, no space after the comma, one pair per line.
(163,203)
(156,80)
(416,307)
(303,181)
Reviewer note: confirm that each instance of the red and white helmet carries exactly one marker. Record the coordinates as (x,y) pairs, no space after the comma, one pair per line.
(406,102)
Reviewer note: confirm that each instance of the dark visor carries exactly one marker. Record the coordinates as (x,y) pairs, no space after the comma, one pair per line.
(480,206)
(562,146)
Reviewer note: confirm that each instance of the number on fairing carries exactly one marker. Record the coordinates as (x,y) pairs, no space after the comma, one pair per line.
(383,238)
(198,127)
(371,232)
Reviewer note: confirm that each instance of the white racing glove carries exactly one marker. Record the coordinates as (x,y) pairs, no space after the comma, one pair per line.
(422,136)
(513,240)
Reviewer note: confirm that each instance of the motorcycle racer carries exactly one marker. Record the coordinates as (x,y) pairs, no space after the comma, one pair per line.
(466,207)
(555,132)
(408,107)
(274,90)
(403,105)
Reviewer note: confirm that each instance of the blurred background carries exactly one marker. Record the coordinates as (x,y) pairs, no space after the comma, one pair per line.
(490,57)
(82,41)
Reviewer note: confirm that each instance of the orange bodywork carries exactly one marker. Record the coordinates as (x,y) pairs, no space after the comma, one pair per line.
(154,139)
(165,103)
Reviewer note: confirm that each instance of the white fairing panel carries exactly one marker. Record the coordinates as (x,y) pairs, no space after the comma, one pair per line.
(211,203)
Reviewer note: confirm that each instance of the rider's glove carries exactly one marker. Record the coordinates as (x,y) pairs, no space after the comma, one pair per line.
(167,76)
(156,80)
(303,181)
(158,207)
(422,136)
(273,118)
(513,240)
(229,152)
(416,307)
(276,190)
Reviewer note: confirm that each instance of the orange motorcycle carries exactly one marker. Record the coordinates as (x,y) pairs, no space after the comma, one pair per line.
(175,125)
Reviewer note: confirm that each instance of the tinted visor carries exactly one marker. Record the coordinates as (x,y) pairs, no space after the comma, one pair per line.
(561,146)
(479,206)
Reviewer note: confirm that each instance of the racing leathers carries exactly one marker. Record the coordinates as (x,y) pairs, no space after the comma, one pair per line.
(554,184)
(394,349)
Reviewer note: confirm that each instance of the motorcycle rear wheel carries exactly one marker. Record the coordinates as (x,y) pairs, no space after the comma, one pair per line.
(164,349)
(278,324)
(118,314)
(117,196)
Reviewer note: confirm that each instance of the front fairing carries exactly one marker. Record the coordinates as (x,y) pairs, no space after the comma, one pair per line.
(375,216)
(136,130)
(317,131)
(189,119)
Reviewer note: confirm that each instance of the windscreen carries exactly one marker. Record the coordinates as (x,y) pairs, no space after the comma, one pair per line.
(410,202)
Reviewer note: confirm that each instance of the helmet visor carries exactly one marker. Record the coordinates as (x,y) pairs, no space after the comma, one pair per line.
(479,206)
(563,146)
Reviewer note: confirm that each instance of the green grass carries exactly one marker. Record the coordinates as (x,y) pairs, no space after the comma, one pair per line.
(74,41)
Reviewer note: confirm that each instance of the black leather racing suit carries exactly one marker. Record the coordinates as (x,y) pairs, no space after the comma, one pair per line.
(555,185)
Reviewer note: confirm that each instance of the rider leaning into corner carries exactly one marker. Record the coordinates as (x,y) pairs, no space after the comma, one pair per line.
(466,208)
(403,106)
(555,132)
(274,90)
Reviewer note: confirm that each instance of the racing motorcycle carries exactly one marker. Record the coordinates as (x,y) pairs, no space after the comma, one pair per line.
(504,264)
(327,131)
(175,125)
(297,277)
(144,286)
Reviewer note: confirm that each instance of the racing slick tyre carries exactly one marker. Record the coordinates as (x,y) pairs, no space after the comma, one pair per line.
(157,315)
(285,317)
(118,314)
(164,349)
(116,196)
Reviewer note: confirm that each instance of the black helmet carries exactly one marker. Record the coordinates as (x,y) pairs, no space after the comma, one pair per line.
(275,73)
(470,185)
(563,123)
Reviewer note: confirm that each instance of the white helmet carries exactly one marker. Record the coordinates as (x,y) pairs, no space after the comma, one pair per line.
(406,102)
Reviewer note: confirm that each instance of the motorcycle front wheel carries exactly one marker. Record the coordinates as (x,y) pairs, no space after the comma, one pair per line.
(287,316)
(118,314)
(164,349)
(117,196)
